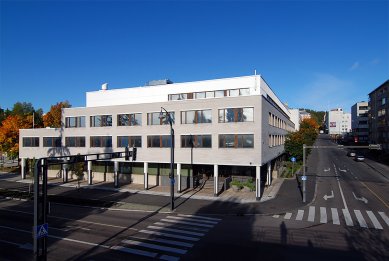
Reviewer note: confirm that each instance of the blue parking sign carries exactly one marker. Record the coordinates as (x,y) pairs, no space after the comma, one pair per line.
(293,159)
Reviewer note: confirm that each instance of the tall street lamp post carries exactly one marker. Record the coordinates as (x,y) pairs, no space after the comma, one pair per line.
(171,175)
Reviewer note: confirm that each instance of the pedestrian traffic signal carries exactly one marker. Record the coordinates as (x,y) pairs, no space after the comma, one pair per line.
(126,154)
(134,154)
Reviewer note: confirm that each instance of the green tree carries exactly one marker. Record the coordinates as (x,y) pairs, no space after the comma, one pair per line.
(78,169)
(22,109)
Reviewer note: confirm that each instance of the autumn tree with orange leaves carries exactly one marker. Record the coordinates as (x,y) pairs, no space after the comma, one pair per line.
(9,133)
(53,117)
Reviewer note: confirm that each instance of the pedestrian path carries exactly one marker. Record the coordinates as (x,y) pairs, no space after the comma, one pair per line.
(170,238)
(322,215)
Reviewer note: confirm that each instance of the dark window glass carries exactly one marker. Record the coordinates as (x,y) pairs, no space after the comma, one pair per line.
(131,141)
(197,141)
(130,119)
(75,141)
(236,115)
(75,122)
(51,142)
(101,141)
(30,141)
(236,141)
(158,141)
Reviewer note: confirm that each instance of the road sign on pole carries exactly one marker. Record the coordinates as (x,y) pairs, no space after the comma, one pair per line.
(293,159)
(42,230)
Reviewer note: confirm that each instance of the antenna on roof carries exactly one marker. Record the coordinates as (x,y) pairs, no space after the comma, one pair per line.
(255,72)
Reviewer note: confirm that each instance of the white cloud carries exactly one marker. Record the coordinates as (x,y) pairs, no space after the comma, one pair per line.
(354,66)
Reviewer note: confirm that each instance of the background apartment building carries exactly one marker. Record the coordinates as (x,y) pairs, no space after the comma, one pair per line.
(379,116)
(359,122)
(223,127)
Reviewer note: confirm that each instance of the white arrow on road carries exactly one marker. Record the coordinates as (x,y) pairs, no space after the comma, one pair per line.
(361,199)
(342,170)
(331,196)
(326,170)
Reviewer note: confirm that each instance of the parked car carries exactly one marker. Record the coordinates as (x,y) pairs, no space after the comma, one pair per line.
(359,158)
(351,153)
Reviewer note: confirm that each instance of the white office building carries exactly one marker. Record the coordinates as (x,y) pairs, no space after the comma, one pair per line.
(338,122)
(223,127)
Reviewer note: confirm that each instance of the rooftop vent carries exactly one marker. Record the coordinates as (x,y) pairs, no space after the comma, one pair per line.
(159,82)
(104,86)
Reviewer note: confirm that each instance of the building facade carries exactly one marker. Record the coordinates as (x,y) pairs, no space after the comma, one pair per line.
(222,127)
(359,122)
(338,122)
(379,116)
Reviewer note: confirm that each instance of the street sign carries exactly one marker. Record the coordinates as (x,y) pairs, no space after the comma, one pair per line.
(42,230)
(293,159)
(303,177)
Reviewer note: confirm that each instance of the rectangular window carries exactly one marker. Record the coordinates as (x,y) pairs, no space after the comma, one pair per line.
(101,141)
(236,140)
(133,119)
(158,141)
(219,93)
(210,94)
(200,95)
(129,141)
(30,141)
(244,91)
(236,115)
(51,141)
(101,121)
(195,117)
(234,93)
(75,122)
(196,141)
(75,141)
(153,118)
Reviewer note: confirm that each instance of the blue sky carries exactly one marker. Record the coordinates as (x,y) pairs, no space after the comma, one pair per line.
(313,54)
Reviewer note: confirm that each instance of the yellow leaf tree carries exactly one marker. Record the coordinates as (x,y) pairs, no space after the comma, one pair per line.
(53,117)
(9,133)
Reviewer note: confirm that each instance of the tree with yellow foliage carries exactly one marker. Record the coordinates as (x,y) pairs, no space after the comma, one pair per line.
(53,117)
(9,133)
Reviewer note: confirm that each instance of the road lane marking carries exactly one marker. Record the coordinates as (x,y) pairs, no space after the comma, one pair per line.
(288,215)
(200,217)
(360,218)
(383,201)
(169,235)
(183,227)
(186,223)
(300,215)
(373,219)
(193,220)
(340,188)
(384,217)
(347,217)
(335,216)
(134,251)
(154,246)
(177,230)
(167,241)
(311,214)
(323,215)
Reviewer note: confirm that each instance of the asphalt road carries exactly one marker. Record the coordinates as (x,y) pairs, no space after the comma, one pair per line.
(345,218)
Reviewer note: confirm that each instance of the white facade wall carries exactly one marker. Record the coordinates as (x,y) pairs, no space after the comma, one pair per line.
(339,122)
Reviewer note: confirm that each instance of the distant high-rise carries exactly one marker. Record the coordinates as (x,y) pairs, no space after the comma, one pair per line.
(359,122)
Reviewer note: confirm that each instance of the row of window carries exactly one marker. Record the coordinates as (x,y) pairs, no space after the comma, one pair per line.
(277,122)
(187,117)
(276,140)
(153,141)
(209,94)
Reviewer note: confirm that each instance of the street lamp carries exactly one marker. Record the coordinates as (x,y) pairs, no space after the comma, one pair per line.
(167,115)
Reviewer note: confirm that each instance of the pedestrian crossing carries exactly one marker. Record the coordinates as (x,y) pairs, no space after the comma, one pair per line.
(364,219)
(169,238)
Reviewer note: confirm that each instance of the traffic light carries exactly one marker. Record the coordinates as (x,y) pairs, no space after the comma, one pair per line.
(126,154)
(134,154)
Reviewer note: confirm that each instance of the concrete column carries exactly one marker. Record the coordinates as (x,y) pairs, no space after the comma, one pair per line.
(90,181)
(258,182)
(215,179)
(23,168)
(146,173)
(178,177)
(116,173)
(268,180)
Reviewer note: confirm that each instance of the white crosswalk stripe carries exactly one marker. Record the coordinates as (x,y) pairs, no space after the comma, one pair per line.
(169,238)
(323,215)
(335,216)
(364,219)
